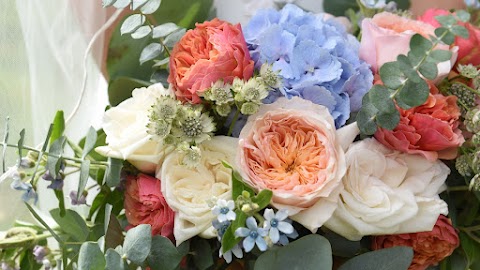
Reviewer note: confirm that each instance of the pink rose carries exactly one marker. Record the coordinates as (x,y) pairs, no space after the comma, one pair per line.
(291,147)
(386,35)
(469,48)
(144,204)
(212,51)
(430,129)
(429,247)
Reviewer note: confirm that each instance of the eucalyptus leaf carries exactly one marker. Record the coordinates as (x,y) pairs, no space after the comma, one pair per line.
(391,75)
(461,31)
(113,260)
(107,3)
(159,63)
(121,3)
(142,32)
(388,120)
(138,242)
(396,258)
(463,15)
(202,254)
(90,141)
(341,246)
(440,55)
(309,252)
(163,254)
(446,20)
(174,37)
(71,223)
(90,257)
(114,170)
(413,94)
(150,52)
(138,3)
(84,173)
(381,98)
(446,36)
(150,7)
(419,44)
(132,23)
(164,30)
(429,70)
(366,119)
(54,159)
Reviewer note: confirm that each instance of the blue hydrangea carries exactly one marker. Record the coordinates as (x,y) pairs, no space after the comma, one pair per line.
(472,3)
(317,59)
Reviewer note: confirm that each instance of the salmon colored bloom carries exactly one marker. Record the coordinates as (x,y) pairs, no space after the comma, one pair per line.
(429,247)
(386,35)
(291,147)
(145,204)
(430,129)
(212,51)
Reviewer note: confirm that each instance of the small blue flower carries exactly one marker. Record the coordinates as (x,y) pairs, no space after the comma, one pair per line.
(79,201)
(236,250)
(224,210)
(221,227)
(57,183)
(253,235)
(276,224)
(39,252)
(29,194)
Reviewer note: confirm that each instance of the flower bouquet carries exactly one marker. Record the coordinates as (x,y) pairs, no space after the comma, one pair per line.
(298,140)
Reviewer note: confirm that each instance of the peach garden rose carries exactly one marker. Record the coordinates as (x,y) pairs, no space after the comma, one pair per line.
(292,148)
(212,51)
(386,35)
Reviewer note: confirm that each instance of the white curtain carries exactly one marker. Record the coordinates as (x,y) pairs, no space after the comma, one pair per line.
(43,43)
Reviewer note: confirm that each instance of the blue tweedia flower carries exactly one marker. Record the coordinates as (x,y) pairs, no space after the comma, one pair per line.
(224,210)
(253,235)
(284,237)
(276,224)
(221,227)
(29,194)
(236,250)
(316,58)
(57,183)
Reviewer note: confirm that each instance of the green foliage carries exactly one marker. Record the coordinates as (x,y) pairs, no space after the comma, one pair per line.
(138,242)
(471,249)
(113,173)
(339,7)
(309,252)
(114,260)
(202,254)
(122,87)
(132,23)
(72,224)
(229,240)
(90,257)
(396,258)
(163,254)
(341,246)
(114,233)
(150,52)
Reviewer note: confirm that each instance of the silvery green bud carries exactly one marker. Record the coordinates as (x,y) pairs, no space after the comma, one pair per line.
(249,108)
(468,71)
(462,165)
(223,110)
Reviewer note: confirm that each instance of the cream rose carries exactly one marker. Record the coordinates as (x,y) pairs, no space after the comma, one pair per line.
(126,128)
(388,192)
(187,191)
(291,147)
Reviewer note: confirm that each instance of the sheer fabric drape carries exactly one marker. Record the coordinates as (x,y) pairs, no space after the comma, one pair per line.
(43,43)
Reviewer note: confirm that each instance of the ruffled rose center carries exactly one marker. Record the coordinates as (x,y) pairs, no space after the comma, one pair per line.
(289,155)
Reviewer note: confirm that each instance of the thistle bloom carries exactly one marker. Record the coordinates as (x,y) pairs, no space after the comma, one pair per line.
(253,235)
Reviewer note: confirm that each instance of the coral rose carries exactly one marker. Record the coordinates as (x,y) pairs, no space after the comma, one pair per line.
(386,35)
(429,247)
(145,204)
(291,147)
(430,129)
(212,51)
(468,48)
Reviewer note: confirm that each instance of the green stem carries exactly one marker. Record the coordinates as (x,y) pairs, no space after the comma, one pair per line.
(77,160)
(234,121)
(471,228)
(259,218)
(458,188)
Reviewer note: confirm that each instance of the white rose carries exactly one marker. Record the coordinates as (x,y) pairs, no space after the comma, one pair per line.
(126,128)
(188,190)
(388,192)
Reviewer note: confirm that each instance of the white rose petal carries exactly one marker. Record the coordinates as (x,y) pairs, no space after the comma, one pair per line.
(126,128)
(188,190)
(388,192)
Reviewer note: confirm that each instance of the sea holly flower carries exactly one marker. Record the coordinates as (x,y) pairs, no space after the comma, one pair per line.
(253,235)
(224,210)
(275,224)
